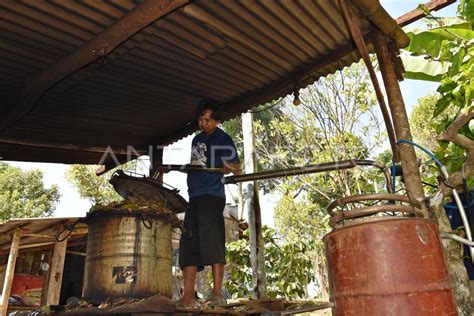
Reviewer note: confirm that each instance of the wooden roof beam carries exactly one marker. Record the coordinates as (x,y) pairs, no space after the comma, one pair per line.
(103,44)
(416,14)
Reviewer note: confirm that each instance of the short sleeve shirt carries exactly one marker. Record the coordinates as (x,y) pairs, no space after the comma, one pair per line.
(210,151)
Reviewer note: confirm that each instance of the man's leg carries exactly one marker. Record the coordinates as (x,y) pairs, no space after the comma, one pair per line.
(217,279)
(189,277)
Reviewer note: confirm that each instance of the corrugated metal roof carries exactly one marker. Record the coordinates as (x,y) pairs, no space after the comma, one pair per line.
(241,53)
(40,231)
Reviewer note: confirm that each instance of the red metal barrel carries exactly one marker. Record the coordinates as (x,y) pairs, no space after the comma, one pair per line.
(388,267)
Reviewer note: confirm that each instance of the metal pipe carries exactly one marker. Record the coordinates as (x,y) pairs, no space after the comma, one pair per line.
(462,212)
(328,166)
(185,169)
(457,199)
(365,197)
(270,174)
(458,238)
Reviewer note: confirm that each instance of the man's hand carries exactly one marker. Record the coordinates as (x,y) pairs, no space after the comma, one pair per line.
(231,167)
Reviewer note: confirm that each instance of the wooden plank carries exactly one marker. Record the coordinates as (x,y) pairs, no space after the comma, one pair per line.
(9,273)
(417,14)
(56,273)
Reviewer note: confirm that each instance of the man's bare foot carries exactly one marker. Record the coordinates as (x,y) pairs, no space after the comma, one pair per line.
(188,302)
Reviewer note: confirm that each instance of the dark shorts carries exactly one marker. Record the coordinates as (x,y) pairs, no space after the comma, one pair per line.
(205,219)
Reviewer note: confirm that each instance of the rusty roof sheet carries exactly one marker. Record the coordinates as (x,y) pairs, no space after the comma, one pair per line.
(38,232)
(241,53)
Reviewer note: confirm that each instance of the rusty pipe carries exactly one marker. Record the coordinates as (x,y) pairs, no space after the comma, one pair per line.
(365,197)
(322,167)
(370,210)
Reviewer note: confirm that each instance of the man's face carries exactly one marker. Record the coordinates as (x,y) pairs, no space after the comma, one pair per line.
(206,123)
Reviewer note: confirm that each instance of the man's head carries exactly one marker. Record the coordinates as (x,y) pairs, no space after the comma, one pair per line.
(208,115)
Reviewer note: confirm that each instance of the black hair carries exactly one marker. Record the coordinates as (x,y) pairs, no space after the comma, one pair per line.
(210,104)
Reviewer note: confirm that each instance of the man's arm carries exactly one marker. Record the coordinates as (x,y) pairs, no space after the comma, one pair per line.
(231,167)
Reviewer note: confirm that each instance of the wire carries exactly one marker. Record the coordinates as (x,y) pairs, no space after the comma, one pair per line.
(268,107)
(429,153)
(429,184)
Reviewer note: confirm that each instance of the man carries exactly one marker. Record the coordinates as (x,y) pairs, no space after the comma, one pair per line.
(212,148)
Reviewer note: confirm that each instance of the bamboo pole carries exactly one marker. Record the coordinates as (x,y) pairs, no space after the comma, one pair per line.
(408,159)
(257,258)
(56,272)
(9,273)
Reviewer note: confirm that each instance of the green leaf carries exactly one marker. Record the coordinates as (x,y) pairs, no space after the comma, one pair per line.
(466,8)
(441,105)
(420,68)
(430,42)
(425,43)
(22,194)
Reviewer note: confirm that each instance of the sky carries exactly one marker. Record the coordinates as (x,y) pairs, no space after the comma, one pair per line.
(72,205)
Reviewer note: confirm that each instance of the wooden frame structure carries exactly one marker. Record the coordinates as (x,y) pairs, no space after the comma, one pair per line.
(38,233)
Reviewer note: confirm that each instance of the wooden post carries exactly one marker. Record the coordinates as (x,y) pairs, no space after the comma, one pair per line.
(10,272)
(257,258)
(156,159)
(409,163)
(56,272)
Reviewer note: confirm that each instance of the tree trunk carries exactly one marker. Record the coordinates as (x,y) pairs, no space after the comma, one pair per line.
(456,268)
(457,271)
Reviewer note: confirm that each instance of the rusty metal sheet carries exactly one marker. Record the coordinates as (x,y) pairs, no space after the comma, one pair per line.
(241,53)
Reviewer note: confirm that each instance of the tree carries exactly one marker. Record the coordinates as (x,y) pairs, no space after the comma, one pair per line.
(424,131)
(22,194)
(96,189)
(452,46)
(288,265)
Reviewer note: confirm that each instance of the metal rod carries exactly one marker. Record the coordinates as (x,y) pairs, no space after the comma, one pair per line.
(462,212)
(270,174)
(186,168)
(328,166)
(458,238)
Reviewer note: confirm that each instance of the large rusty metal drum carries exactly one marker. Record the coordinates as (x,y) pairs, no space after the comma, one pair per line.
(128,256)
(389,266)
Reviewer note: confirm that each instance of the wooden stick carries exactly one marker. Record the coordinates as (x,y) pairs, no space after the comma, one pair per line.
(364,52)
(9,273)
